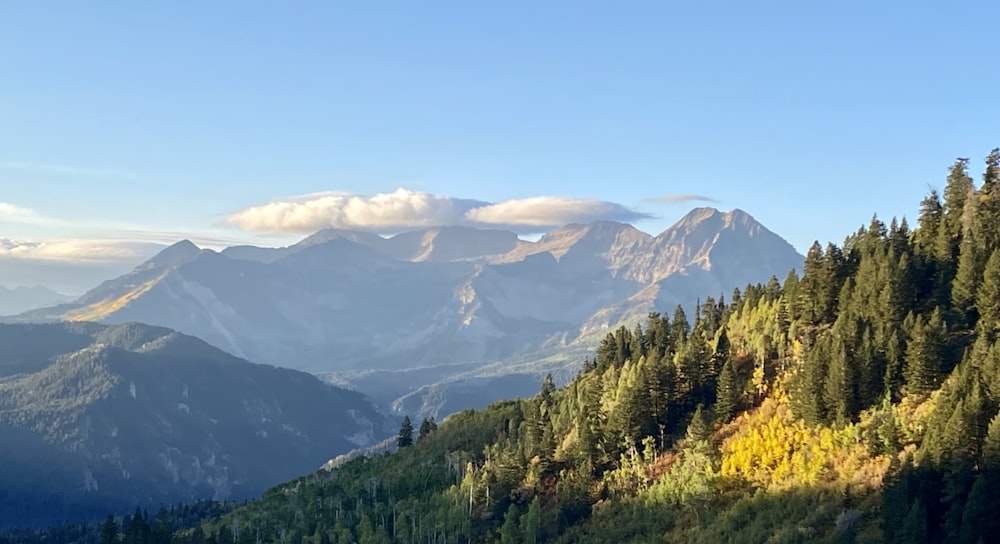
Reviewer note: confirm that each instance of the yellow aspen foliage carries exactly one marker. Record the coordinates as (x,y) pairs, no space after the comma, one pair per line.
(772,450)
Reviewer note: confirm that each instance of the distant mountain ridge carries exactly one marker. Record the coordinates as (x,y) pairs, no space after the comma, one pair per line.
(97,418)
(354,301)
(21,299)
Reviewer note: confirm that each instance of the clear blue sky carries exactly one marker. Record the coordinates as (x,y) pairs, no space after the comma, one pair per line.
(170,116)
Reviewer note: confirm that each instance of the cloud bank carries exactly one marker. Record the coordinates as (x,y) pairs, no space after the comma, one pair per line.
(79,251)
(404,209)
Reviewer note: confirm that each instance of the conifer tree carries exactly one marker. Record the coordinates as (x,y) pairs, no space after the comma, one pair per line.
(699,429)
(109,531)
(949,234)
(957,189)
(728,392)
(841,395)
(680,327)
(425,430)
(981,518)
(988,298)
(970,266)
(510,532)
(990,207)
(405,437)
(929,223)
(923,358)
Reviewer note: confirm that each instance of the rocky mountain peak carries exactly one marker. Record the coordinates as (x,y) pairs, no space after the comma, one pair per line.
(326,235)
(176,254)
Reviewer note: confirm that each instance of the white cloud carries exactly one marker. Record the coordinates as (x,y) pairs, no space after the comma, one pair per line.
(80,251)
(401,209)
(549,211)
(404,209)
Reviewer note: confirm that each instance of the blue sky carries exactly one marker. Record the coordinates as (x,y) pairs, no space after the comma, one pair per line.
(158,120)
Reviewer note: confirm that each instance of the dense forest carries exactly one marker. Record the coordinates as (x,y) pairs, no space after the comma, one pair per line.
(854,402)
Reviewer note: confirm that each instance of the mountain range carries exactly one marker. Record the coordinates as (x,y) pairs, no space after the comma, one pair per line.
(21,299)
(97,418)
(455,308)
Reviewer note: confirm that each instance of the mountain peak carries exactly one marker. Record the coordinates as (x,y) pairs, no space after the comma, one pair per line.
(714,219)
(699,215)
(178,253)
(325,235)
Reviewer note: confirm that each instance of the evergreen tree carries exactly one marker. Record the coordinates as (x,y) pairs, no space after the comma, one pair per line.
(532,522)
(914,530)
(931,213)
(988,298)
(405,437)
(728,392)
(957,189)
(680,328)
(425,430)
(990,208)
(109,531)
(699,429)
(970,267)
(923,357)
(510,532)
(949,235)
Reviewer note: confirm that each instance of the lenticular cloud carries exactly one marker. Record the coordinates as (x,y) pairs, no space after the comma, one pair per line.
(404,209)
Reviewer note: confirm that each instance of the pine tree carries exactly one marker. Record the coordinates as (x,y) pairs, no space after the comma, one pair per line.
(405,437)
(109,531)
(510,532)
(531,522)
(841,394)
(988,298)
(957,189)
(699,429)
(990,207)
(680,328)
(914,530)
(728,392)
(923,358)
(929,223)
(425,430)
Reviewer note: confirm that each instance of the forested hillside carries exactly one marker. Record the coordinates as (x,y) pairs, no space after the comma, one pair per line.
(856,403)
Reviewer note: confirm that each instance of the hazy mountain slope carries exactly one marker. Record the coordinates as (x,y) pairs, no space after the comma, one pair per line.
(21,299)
(107,417)
(350,301)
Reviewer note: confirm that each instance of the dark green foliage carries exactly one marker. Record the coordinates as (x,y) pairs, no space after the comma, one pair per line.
(109,531)
(925,352)
(405,437)
(427,426)
(700,428)
(988,298)
(728,392)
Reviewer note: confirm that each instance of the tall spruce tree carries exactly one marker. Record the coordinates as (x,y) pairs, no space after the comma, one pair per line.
(728,392)
(405,437)
(924,355)
(988,298)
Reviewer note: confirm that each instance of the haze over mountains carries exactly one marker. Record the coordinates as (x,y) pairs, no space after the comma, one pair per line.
(98,418)
(21,299)
(355,302)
